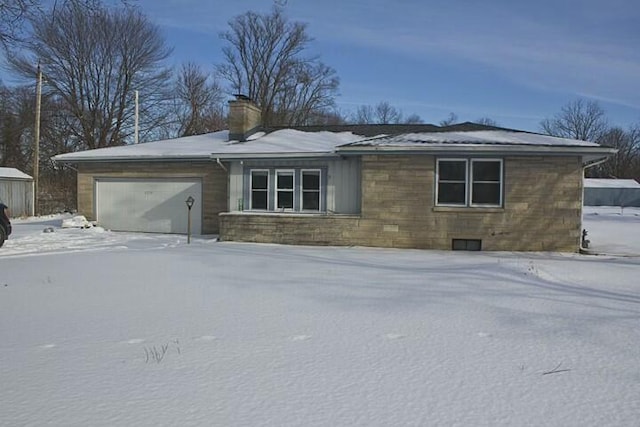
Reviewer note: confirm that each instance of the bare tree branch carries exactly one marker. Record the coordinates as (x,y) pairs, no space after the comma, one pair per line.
(199,102)
(451,119)
(579,119)
(382,113)
(264,60)
(13,14)
(94,59)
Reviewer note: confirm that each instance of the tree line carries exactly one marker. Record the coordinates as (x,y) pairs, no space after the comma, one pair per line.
(587,121)
(95,57)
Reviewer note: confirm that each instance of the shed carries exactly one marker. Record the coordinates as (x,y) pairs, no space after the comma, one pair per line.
(611,192)
(16,191)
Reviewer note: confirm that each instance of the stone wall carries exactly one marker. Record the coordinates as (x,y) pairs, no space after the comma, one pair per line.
(214,184)
(542,210)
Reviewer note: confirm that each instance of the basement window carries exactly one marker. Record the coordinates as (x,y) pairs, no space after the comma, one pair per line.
(466,244)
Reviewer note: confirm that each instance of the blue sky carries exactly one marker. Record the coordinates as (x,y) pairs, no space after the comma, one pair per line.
(516,62)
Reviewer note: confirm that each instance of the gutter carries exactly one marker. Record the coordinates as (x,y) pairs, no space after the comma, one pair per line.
(274,156)
(511,149)
(588,154)
(131,159)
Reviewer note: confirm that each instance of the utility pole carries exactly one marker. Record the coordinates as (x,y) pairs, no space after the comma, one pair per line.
(36,141)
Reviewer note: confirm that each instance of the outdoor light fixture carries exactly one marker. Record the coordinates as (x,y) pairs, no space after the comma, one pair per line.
(190,200)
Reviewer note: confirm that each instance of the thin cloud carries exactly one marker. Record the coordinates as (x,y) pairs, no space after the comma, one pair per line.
(538,55)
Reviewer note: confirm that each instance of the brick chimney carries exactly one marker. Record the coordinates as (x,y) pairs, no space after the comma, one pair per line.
(245,118)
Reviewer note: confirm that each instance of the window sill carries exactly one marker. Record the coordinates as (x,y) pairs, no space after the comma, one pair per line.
(290,214)
(468,209)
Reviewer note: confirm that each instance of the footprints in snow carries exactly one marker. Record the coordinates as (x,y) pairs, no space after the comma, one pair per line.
(293,338)
(394,336)
(47,346)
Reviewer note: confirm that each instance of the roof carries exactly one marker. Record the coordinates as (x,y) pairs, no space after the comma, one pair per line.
(370,130)
(480,137)
(497,141)
(323,141)
(286,142)
(610,183)
(12,173)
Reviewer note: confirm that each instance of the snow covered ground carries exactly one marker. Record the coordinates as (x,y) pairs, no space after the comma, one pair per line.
(104,329)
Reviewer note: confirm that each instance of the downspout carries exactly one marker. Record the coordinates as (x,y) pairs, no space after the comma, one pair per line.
(63,165)
(584,242)
(596,163)
(221,165)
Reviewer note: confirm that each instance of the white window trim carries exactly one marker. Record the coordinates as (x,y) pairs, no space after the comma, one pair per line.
(320,202)
(469,182)
(251,188)
(278,173)
(466,182)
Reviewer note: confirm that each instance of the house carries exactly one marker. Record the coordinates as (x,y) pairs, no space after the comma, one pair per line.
(465,186)
(611,192)
(16,191)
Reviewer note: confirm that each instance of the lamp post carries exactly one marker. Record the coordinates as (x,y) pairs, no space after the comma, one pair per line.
(189,203)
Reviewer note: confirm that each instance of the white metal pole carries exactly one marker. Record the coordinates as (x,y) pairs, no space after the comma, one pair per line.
(135,130)
(36,141)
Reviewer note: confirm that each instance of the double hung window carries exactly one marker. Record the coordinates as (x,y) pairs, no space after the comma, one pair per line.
(310,190)
(284,190)
(295,190)
(259,189)
(469,182)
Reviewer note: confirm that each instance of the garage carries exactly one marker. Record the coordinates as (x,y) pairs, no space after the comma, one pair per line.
(148,205)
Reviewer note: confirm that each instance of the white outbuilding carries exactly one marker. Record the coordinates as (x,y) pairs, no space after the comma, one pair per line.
(611,192)
(16,191)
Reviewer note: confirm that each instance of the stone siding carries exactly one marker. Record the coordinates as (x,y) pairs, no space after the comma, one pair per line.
(542,210)
(214,184)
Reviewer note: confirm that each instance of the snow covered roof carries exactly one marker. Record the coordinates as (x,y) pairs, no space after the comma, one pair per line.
(610,183)
(281,143)
(485,137)
(499,142)
(12,173)
(299,143)
(188,148)
(287,143)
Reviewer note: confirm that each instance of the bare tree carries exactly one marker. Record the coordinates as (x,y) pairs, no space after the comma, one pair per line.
(413,119)
(327,117)
(199,102)
(486,121)
(451,119)
(626,162)
(579,119)
(12,16)
(387,113)
(264,59)
(364,114)
(57,186)
(16,124)
(94,59)
(382,113)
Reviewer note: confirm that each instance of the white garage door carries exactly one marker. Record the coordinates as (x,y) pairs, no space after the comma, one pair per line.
(148,205)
